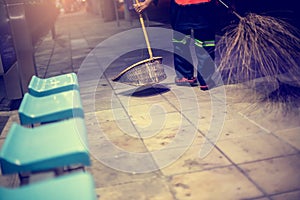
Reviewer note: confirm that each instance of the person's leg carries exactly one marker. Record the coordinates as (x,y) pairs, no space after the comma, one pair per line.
(205,53)
(183,64)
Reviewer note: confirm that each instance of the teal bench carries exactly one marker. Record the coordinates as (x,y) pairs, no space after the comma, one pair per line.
(63,105)
(78,185)
(42,87)
(47,147)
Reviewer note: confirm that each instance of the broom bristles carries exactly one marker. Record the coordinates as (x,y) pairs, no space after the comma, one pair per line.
(259,46)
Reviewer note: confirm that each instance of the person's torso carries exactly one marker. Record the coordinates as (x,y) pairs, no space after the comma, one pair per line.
(191,16)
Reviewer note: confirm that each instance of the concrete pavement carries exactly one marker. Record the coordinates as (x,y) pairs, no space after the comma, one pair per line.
(167,142)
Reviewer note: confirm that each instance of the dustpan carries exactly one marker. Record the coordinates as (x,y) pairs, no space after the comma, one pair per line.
(145,72)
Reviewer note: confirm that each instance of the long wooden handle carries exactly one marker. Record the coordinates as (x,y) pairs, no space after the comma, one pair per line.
(233,11)
(145,34)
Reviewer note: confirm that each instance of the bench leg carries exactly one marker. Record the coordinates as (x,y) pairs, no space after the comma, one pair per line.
(24,178)
(59,171)
(75,168)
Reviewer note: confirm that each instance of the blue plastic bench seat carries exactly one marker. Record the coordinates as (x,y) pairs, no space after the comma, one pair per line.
(50,108)
(78,185)
(42,87)
(45,147)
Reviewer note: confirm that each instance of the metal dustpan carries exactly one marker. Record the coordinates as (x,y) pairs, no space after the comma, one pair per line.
(145,72)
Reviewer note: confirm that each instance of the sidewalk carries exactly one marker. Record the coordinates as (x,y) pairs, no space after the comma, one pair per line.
(166,142)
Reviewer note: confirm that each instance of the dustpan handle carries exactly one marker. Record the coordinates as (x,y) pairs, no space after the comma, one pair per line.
(145,34)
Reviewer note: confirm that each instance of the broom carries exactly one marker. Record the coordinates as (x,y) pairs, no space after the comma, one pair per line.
(146,72)
(260,46)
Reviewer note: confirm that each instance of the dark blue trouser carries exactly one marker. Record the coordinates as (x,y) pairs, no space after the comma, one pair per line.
(204,49)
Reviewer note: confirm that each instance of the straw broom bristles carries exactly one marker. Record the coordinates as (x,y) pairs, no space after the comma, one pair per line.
(259,46)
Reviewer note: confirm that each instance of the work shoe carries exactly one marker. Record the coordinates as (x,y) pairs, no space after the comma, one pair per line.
(203,87)
(186,82)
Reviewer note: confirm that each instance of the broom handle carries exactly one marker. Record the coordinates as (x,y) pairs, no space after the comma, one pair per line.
(224,4)
(145,34)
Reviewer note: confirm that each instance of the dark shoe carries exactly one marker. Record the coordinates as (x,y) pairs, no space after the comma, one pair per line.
(186,82)
(203,87)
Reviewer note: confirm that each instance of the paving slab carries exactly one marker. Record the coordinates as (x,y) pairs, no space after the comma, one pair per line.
(256,147)
(220,183)
(276,175)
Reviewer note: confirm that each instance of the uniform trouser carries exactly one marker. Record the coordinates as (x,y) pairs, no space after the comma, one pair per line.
(204,49)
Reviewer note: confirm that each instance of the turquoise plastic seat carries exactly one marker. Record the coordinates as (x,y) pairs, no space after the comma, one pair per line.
(42,87)
(50,108)
(45,147)
(72,186)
